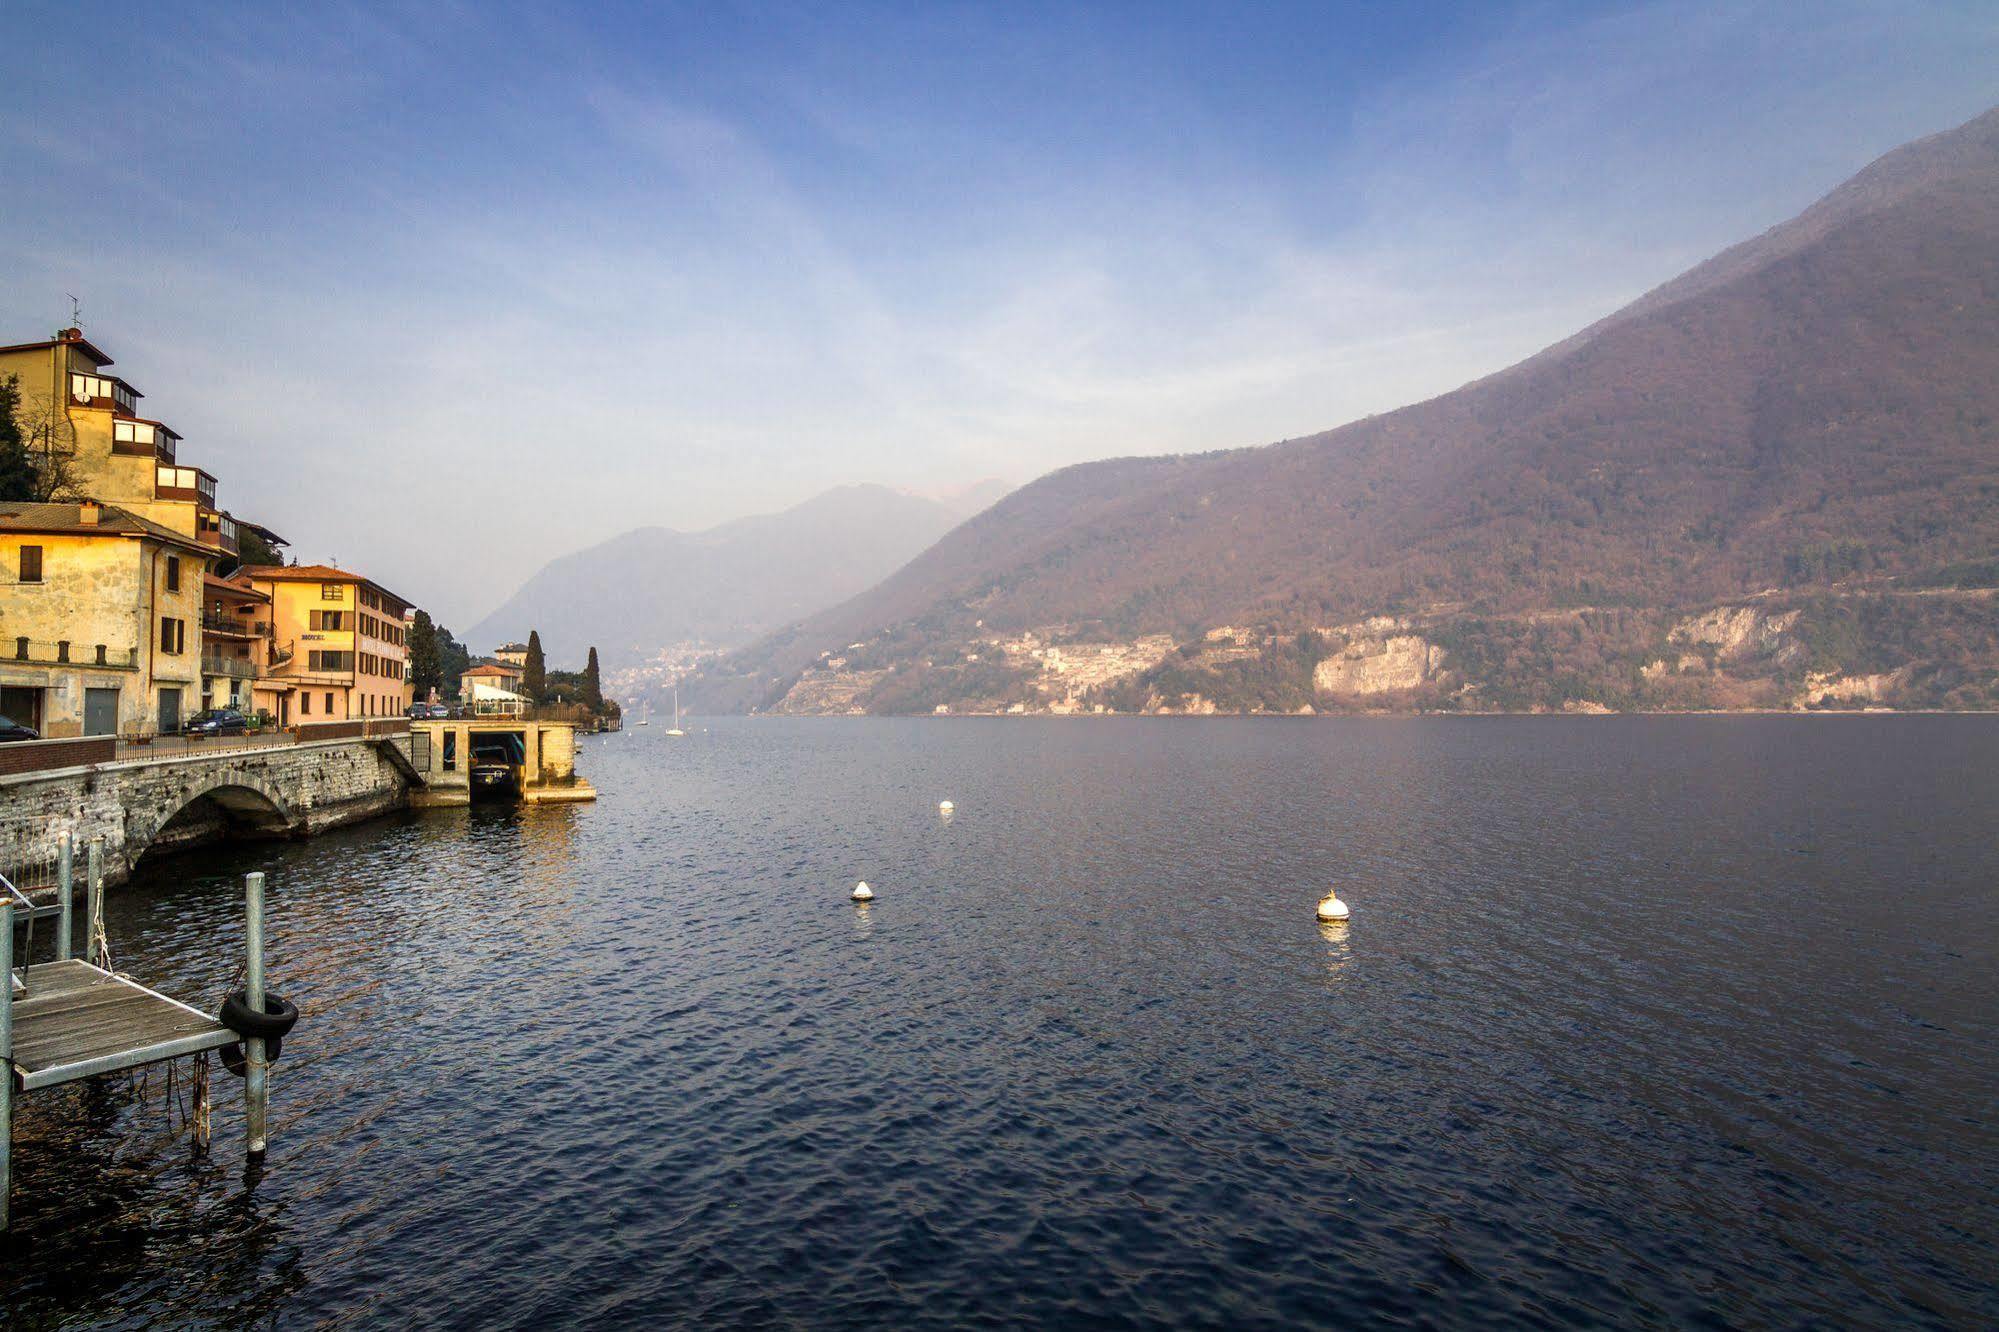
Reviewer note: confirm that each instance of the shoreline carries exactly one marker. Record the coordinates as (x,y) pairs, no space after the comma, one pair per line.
(1338,716)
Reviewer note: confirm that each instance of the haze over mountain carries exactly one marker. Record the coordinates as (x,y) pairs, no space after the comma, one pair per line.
(1812,413)
(642,590)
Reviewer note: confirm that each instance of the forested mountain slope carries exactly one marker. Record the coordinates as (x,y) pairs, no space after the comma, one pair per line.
(1815,411)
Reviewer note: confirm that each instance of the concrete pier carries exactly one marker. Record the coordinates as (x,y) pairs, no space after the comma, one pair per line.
(444,754)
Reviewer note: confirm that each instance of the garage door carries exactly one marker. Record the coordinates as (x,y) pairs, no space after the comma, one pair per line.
(100,712)
(22,705)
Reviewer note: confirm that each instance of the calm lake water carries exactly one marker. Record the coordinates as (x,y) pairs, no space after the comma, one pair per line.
(1655,1021)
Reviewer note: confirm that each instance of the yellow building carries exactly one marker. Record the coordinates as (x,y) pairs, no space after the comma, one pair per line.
(90,419)
(348,652)
(100,620)
(238,654)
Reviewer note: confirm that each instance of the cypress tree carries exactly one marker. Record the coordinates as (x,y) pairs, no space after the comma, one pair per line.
(593,685)
(534,676)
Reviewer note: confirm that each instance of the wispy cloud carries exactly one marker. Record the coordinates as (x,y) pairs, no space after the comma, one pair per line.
(408,280)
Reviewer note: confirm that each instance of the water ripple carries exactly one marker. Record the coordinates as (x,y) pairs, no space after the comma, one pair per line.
(1659,1021)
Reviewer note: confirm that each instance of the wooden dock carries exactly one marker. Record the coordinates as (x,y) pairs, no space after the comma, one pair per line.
(71,1018)
(75,1020)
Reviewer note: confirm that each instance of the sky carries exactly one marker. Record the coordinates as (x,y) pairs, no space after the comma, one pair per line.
(441,292)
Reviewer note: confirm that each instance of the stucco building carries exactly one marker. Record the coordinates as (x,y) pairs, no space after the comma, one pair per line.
(100,620)
(80,412)
(342,639)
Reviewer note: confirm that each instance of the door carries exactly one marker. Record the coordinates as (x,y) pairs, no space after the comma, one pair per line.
(21,705)
(100,712)
(169,711)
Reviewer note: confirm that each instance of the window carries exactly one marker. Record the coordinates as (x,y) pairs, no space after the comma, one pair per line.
(173,573)
(173,636)
(450,750)
(325,620)
(304,704)
(322,659)
(329,592)
(329,705)
(31,564)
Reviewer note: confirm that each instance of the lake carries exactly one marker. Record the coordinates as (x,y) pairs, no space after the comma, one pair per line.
(1658,1021)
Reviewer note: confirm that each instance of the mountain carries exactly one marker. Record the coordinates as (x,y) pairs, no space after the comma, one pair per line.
(640,591)
(1802,432)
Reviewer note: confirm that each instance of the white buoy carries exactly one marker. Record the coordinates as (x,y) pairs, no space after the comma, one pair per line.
(945,807)
(863,893)
(1331,908)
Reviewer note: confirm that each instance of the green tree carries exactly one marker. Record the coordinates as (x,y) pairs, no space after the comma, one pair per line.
(593,684)
(534,676)
(453,660)
(18,478)
(253,549)
(426,662)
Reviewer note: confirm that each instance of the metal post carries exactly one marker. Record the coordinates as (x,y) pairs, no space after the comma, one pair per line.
(65,920)
(256,1082)
(6,1059)
(93,901)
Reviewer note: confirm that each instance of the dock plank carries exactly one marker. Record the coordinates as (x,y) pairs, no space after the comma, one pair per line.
(77,1020)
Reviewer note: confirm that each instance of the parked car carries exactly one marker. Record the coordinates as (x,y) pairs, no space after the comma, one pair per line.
(437,712)
(216,721)
(13,730)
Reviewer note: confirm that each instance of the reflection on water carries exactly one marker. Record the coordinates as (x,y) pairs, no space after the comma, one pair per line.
(1618,1033)
(1339,948)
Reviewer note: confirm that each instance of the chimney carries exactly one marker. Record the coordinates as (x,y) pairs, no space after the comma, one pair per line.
(89,512)
(70,335)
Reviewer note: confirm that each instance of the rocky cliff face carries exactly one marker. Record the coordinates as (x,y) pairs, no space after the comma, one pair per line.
(1374,663)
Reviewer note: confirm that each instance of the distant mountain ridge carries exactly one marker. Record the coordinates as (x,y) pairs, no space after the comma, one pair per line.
(641,590)
(1814,411)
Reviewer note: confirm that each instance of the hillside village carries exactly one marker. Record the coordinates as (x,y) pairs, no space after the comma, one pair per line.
(1851,648)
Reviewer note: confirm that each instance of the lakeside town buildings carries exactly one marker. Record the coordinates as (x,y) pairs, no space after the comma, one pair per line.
(123,606)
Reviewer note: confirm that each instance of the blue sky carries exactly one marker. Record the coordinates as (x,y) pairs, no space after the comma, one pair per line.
(445,291)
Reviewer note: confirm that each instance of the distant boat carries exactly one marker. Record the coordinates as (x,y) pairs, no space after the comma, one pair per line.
(676,713)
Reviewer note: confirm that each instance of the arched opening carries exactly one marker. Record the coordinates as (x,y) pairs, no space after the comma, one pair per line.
(219,813)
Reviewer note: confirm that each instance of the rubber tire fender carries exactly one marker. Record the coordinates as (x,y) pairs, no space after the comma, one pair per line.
(280,1015)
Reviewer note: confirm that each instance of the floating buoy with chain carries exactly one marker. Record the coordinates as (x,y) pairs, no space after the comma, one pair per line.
(1331,908)
(862,893)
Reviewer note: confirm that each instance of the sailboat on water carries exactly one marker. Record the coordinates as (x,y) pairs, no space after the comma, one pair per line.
(676,713)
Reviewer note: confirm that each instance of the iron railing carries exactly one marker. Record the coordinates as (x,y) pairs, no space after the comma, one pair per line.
(236,668)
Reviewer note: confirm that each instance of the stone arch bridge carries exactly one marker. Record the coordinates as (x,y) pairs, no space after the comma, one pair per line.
(135,803)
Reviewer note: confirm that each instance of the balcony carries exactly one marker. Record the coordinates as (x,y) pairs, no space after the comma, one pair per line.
(236,668)
(143,439)
(215,622)
(62,652)
(280,655)
(217,530)
(184,483)
(103,391)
